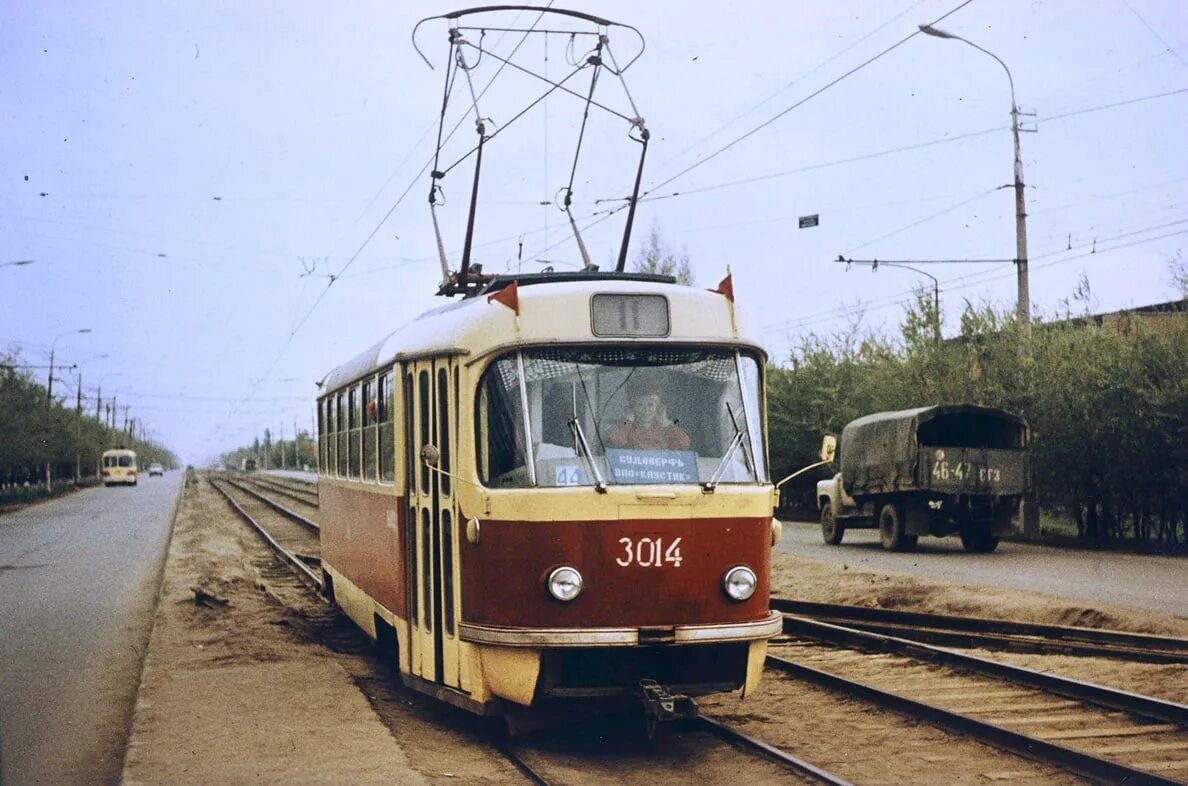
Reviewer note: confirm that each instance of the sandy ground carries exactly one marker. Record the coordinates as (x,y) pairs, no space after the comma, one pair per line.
(246,693)
(273,688)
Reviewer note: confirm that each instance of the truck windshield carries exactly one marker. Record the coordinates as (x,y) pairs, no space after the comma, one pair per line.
(576,416)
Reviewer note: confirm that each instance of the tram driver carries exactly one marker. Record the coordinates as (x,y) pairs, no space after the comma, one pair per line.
(647,426)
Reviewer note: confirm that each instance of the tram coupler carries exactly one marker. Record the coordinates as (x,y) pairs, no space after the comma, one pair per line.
(662,705)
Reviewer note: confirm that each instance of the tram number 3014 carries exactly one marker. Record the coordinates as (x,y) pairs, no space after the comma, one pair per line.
(650,553)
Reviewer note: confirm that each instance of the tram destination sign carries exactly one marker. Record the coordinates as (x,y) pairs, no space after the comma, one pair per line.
(652,466)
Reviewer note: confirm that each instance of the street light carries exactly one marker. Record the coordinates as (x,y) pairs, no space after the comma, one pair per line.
(874,267)
(49,393)
(18,263)
(1023,303)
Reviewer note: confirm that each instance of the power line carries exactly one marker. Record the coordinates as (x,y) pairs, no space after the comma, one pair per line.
(792,83)
(1167,47)
(973,279)
(926,219)
(333,278)
(802,101)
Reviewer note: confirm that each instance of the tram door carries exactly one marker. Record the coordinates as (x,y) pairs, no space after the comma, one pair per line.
(430,390)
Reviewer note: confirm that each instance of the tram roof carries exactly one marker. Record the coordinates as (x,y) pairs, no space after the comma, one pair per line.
(549,313)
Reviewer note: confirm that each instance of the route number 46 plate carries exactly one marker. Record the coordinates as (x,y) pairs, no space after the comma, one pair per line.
(650,553)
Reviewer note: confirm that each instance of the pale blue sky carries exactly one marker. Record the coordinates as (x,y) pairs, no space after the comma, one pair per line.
(194,156)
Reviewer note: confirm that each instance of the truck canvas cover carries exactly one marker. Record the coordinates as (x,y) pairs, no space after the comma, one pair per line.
(948,448)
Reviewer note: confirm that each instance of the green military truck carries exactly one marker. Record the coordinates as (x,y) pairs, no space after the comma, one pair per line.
(940,470)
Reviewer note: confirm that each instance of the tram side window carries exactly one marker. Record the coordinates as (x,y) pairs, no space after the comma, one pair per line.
(499,440)
(341,403)
(387,437)
(321,436)
(423,411)
(443,425)
(331,436)
(353,414)
(370,427)
(410,458)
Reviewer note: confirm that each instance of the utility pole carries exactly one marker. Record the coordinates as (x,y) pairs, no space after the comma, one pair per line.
(78,430)
(1023,302)
(49,402)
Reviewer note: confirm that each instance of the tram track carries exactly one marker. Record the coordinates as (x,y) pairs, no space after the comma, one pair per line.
(276,505)
(701,749)
(292,542)
(285,489)
(1129,726)
(1092,731)
(994,634)
(275,524)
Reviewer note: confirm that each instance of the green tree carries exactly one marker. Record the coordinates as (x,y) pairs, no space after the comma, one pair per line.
(1107,404)
(656,256)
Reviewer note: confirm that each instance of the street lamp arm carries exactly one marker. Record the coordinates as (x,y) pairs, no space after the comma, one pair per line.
(938,33)
(935,283)
(1023,304)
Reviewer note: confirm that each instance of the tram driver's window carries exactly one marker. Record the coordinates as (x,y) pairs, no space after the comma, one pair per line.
(498,438)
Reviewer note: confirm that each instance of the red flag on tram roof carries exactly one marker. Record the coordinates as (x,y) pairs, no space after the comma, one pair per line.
(726,287)
(508,296)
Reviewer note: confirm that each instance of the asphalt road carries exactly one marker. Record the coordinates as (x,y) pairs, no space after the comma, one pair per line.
(1158,584)
(78,586)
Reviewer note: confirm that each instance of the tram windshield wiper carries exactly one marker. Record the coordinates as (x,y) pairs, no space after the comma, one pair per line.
(584,447)
(739,437)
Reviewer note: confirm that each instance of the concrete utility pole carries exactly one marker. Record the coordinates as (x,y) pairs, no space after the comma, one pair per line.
(49,401)
(49,388)
(1023,302)
(99,394)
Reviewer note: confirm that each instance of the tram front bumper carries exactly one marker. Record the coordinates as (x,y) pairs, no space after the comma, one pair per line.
(501,636)
(524,664)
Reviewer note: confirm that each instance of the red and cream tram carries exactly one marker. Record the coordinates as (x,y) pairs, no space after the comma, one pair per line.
(555,490)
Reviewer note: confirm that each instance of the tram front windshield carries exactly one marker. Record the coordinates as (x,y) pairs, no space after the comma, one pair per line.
(579,416)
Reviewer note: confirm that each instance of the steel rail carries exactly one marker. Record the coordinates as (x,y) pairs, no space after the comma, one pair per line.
(1078,762)
(285,489)
(733,735)
(982,625)
(1158,709)
(1007,643)
(520,763)
(304,572)
(279,508)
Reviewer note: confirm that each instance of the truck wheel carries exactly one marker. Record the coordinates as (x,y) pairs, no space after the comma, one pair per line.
(831,531)
(978,540)
(891,532)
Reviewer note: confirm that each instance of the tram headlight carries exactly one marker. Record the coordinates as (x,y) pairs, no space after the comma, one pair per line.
(565,583)
(740,582)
